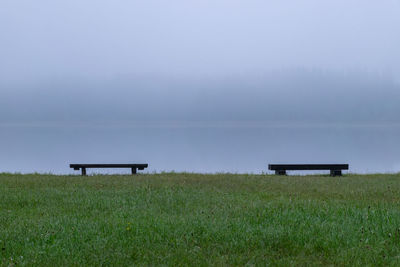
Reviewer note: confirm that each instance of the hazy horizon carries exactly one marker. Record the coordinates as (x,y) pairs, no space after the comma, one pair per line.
(199,85)
(291,96)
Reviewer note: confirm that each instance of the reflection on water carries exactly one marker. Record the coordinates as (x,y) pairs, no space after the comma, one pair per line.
(198,147)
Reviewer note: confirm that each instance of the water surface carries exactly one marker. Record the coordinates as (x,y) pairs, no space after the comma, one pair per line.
(197,147)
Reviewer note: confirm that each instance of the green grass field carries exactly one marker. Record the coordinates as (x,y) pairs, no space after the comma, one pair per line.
(194,219)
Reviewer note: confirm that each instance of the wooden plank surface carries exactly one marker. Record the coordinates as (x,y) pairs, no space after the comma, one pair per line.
(108,165)
(308,166)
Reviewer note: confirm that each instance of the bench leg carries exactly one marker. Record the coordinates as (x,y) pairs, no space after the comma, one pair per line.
(336,172)
(83,171)
(133,171)
(280,172)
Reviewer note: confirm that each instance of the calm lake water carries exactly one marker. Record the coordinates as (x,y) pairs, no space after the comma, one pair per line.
(197,147)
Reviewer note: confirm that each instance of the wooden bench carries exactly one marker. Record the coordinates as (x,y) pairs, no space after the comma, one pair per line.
(335,169)
(83,167)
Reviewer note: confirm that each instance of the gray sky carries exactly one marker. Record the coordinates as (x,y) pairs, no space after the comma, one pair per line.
(96,39)
(76,76)
(194,59)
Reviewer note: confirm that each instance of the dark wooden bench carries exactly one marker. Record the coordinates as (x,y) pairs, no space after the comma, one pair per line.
(335,169)
(83,167)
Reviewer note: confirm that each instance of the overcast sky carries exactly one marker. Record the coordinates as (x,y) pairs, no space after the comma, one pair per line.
(199,85)
(64,53)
